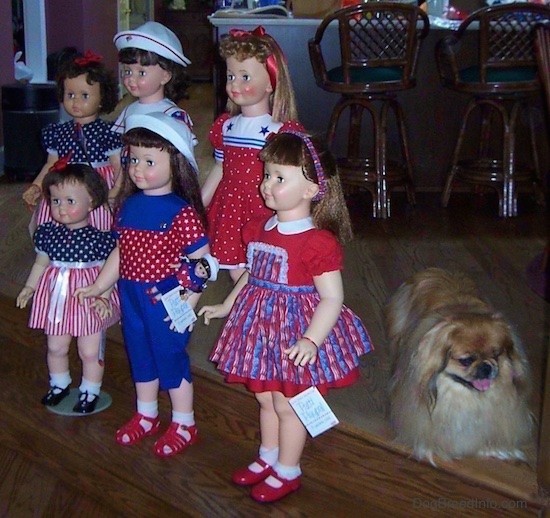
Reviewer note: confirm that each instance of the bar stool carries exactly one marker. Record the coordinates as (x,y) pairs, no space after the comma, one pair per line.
(379,44)
(503,83)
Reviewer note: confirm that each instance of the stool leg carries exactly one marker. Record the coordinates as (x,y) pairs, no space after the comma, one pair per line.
(456,154)
(400,118)
(509,196)
(381,208)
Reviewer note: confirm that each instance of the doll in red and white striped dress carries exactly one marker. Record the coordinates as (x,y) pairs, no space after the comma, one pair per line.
(70,254)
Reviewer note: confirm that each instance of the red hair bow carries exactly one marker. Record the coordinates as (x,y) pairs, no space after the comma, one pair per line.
(238,33)
(89,58)
(62,163)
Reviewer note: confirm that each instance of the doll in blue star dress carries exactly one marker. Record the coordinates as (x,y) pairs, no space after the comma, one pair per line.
(288,328)
(87,89)
(70,254)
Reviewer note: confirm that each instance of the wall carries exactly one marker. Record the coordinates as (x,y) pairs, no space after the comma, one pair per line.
(84,24)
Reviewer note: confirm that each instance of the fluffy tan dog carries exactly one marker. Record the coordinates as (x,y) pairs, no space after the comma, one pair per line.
(460,380)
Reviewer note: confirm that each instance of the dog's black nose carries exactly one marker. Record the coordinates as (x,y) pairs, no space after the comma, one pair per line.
(484,371)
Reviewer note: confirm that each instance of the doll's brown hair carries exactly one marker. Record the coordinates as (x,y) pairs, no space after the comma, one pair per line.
(95,72)
(77,173)
(185,182)
(176,88)
(330,212)
(244,45)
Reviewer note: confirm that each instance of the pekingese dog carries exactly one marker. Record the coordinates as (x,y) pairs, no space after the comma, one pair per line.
(460,380)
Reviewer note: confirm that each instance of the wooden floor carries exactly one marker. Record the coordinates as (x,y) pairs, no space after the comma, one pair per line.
(58,466)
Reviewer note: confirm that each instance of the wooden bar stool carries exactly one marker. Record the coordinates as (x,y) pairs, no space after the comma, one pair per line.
(503,83)
(379,44)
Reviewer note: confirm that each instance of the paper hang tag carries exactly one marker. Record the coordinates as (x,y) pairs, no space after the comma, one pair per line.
(313,411)
(180,311)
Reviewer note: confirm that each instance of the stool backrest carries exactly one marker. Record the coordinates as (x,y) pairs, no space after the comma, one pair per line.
(542,44)
(371,35)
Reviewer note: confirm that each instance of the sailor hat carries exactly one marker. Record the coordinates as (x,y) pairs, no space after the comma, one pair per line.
(169,128)
(154,37)
(214,266)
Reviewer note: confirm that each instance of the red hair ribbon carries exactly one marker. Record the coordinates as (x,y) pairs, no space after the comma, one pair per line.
(62,163)
(89,58)
(271,60)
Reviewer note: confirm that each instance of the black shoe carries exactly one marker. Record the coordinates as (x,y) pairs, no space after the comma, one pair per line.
(55,395)
(84,405)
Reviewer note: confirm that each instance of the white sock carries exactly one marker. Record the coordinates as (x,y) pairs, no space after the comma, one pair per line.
(61,380)
(287,472)
(269,456)
(148,409)
(187,419)
(90,387)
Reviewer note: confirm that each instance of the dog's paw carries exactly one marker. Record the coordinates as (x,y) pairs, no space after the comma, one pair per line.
(513,454)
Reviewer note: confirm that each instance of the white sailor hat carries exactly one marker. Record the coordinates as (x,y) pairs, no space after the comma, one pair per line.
(170,128)
(214,266)
(154,37)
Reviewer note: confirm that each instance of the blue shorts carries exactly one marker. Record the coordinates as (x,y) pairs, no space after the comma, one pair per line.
(154,352)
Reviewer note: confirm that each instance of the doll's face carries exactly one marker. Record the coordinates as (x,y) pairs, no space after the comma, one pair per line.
(145,82)
(284,188)
(150,170)
(70,204)
(200,271)
(81,100)
(248,83)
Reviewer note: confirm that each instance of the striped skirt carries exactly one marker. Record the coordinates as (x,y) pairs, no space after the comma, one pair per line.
(268,318)
(57,312)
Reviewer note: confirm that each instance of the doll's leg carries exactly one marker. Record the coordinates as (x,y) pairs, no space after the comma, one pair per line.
(269,447)
(182,431)
(92,373)
(58,367)
(286,473)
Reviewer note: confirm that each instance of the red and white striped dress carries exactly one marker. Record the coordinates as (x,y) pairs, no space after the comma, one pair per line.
(76,257)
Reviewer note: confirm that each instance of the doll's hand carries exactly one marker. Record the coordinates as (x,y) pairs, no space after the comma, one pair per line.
(302,352)
(209,312)
(86,292)
(32,195)
(24,296)
(173,327)
(102,307)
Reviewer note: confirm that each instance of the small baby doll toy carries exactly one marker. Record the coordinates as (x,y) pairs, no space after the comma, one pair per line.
(192,276)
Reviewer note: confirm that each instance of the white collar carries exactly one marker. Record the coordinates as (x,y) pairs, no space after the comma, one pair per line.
(289,227)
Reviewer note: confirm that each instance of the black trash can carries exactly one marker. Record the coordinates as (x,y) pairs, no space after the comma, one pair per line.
(26,109)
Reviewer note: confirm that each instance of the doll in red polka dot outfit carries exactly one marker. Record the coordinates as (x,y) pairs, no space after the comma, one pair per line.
(160,219)
(260,101)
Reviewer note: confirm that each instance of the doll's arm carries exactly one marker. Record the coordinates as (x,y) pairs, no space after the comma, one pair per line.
(105,280)
(117,168)
(102,304)
(37,270)
(211,183)
(34,191)
(331,293)
(223,309)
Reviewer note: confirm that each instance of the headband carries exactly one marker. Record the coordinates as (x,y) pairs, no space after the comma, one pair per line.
(321,177)
(89,58)
(271,60)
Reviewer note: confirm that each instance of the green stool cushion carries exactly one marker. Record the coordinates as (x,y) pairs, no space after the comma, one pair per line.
(499,75)
(367,75)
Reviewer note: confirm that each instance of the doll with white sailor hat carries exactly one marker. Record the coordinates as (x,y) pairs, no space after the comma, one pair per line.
(160,218)
(152,63)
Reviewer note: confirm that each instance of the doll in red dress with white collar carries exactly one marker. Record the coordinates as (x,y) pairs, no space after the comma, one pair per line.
(287,328)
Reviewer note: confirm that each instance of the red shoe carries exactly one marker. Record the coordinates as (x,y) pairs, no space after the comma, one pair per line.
(174,440)
(247,477)
(264,493)
(135,431)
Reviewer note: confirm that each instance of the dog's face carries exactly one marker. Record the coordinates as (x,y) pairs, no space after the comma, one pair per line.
(470,350)
(474,353)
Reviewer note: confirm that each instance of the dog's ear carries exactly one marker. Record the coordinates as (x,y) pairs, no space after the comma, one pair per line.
(521,375)
(431,358)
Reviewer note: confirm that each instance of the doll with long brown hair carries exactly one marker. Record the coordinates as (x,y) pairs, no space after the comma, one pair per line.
(287,328)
